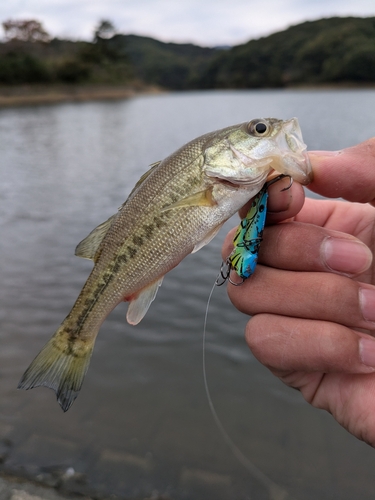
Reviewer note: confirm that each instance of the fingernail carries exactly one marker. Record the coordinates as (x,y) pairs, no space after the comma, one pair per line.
(346,256)
(280,198)
(324,153)
(367,351)
(367,303)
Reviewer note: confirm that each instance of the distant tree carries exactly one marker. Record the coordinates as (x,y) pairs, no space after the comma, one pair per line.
(18,68)
(105,46)
(359,64)
(25,30)
(72,71)
(104,31)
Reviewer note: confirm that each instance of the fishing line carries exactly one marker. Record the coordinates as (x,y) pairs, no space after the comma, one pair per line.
(243,260)
(275,491)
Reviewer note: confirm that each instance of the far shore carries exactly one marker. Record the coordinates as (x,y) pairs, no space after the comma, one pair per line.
(18,95)
(24,95)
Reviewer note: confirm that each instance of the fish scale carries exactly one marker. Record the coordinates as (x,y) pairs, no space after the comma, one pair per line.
(176,208)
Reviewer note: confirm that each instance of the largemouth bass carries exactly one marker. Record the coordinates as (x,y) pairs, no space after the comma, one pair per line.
(175,209)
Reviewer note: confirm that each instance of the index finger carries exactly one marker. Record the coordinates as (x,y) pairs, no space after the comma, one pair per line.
(348,174)
(284,201)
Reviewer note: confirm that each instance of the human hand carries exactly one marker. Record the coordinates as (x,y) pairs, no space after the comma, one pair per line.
(312,296)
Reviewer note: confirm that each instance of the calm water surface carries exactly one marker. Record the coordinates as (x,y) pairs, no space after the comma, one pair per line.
(141,424)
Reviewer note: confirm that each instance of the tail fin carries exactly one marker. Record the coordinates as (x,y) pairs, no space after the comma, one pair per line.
(61,365)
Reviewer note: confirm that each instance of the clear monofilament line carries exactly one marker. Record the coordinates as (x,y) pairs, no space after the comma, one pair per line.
(275,491)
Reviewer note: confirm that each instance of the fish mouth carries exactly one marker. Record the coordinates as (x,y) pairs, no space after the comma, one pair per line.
(297,166)
(307,170)
(292,158)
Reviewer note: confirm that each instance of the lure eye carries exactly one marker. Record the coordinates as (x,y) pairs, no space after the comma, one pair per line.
(258,128)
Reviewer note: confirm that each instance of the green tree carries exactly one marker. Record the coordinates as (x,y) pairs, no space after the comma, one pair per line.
(104,31)
(359,65)
(25,30)
(17,67)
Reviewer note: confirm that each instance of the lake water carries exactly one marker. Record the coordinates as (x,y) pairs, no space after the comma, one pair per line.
(141,425)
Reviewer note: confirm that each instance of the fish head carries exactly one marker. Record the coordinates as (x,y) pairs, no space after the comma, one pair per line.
(247,153)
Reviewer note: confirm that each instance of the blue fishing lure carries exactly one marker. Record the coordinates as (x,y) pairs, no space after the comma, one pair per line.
(249,235)
(248,238)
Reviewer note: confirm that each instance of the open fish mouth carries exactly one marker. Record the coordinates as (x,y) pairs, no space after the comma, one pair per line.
(292,158)
(297,166)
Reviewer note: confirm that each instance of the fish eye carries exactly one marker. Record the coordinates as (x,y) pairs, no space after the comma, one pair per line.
(258,128)
(261,128)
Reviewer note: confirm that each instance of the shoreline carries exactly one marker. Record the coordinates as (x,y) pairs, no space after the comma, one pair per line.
(50,94)
(29,95)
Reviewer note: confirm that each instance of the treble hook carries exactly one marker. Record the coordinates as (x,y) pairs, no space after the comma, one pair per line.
(278,178)
(224,275)
(236,284)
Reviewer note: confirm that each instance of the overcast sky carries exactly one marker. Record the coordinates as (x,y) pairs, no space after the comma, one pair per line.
(204,22)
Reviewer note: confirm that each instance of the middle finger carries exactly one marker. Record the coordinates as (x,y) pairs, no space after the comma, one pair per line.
(309,295)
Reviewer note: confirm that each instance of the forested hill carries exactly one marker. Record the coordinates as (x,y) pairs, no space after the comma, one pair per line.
(335,50)
(170,65)
(323,51)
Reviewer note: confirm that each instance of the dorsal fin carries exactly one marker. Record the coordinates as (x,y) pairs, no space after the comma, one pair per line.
(141,180)
(88,247)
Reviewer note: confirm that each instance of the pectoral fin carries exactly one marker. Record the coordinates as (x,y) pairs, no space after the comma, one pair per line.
(87,248)
(139,306)
(200,199)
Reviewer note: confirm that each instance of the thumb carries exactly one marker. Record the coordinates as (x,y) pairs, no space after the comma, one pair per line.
(348,174)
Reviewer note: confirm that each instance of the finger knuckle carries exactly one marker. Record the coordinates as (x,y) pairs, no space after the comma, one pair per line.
(256,338)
